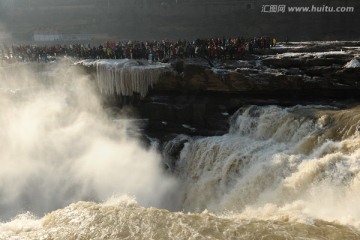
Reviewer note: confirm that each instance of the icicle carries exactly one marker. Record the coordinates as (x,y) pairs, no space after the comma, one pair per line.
(125,77)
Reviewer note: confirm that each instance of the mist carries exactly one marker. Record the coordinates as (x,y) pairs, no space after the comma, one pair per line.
(58,145)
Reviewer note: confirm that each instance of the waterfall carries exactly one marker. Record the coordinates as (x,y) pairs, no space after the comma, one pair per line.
(302,160)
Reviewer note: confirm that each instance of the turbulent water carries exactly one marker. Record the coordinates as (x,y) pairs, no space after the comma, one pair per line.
(70,171)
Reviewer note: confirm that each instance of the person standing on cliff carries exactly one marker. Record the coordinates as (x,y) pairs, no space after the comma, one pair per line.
(273,42)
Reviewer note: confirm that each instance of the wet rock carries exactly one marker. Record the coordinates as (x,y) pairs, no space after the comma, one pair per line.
(172,148)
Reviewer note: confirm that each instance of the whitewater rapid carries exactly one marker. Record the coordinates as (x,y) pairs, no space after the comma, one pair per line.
(123,218)
(298,163)
(71,171)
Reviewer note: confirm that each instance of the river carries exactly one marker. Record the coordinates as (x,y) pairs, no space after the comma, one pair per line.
(69,170)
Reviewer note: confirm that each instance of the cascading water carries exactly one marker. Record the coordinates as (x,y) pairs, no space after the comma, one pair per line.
(280,173)
(301,162)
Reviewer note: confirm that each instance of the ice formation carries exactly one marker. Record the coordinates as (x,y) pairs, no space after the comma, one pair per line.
(353,64)
(125,76)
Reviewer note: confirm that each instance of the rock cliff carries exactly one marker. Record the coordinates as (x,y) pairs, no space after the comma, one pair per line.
(197,99)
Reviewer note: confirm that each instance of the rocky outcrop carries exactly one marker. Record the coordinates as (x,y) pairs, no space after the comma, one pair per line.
(197,99)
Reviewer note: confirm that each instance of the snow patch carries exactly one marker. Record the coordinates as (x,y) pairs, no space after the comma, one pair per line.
(310,54)
(189,127)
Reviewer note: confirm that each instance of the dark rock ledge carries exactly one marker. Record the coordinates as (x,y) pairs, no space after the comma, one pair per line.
(197,99)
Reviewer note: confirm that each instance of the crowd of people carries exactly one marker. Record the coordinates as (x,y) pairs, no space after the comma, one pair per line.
(215,48)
